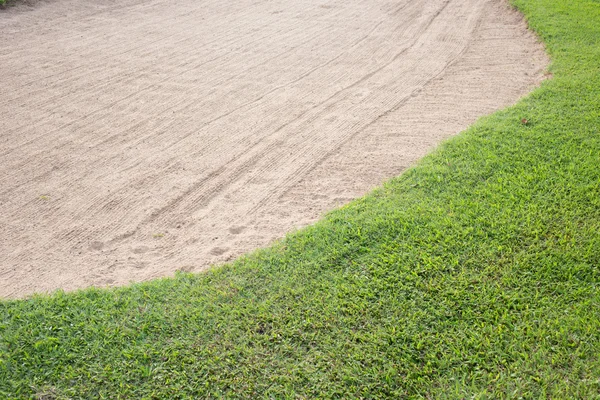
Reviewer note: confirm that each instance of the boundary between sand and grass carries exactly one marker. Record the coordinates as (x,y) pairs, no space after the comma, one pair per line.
(474,274)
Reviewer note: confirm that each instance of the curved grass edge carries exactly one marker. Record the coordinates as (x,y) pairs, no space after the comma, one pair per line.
(473,274)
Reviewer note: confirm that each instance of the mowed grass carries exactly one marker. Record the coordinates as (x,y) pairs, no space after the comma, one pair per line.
(475,274)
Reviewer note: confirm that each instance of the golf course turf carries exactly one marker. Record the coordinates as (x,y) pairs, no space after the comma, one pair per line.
(472,275)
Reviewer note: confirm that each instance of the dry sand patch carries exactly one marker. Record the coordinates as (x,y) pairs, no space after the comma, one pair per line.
(138,138)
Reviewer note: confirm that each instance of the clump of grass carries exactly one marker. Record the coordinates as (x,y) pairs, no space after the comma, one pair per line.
(473,275)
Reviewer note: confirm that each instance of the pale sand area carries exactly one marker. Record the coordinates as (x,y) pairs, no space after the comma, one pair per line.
(138,138)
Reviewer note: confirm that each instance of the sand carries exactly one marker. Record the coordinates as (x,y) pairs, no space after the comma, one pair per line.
(139,138)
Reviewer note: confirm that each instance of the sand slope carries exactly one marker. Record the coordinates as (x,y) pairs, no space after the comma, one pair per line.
(142,137)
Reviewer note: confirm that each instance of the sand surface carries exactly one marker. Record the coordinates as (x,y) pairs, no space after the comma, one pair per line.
(138,138)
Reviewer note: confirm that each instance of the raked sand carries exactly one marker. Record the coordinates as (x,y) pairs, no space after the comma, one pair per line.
(138,138)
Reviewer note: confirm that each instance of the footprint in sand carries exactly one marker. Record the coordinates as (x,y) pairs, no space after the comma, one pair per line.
(217,251)
(96,245)
(236,230)
(140,250)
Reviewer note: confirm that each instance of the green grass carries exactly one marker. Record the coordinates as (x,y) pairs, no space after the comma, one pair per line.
(473,275)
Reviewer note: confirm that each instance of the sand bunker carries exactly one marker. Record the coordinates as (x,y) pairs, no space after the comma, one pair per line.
(138,138)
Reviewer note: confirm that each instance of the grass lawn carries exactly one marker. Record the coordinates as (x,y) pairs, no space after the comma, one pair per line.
(474,274)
